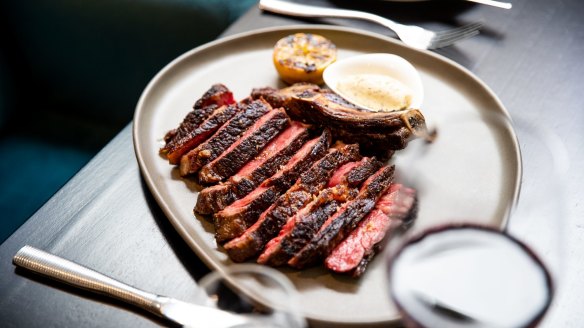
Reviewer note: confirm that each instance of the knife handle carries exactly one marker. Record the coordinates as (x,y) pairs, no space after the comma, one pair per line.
(77,275)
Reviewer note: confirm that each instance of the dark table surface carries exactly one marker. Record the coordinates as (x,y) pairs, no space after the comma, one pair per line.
(106,218)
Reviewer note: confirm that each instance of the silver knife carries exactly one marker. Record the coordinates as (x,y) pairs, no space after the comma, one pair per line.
(182,313)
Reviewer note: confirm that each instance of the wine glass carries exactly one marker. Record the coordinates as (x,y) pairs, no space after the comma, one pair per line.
(260,292)
(484,252)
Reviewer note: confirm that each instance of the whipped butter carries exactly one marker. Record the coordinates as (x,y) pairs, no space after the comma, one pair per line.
(376,92)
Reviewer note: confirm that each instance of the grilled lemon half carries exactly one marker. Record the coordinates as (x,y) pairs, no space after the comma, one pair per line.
(302,57)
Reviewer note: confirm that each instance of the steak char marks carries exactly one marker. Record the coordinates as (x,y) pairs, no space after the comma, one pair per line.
(394,209)
(287,200)
(180,146)
(246,148)
(273,156)
(301,193)
(232,221)
(217,96)
(376,131)
(303,225)
(344,220)
(298,228)
(192,161)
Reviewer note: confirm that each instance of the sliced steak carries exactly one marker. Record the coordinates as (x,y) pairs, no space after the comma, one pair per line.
(191,121)
(217,96)
(301,193)
(180,146)
(394,209)
(344,220)
(232,221)
(246,148)
(302,226)
(382,132)
(273,156)
(354,173)
(252,242)
(192,161)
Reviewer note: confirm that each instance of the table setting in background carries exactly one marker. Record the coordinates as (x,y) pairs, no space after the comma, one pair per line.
(494,173)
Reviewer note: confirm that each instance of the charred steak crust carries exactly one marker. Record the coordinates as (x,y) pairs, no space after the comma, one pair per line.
(250,208)
(344,220)
(310,184)
(245,148)
(217,96)
(231,224)
(271,220)
(303,225)
(181,146)
(318,175)
(309,154)
(367,167)
(213,199)
(209,150)
(191,121)
(245,184)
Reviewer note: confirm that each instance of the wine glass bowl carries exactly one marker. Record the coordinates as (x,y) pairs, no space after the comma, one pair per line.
(471,267)
(263,293)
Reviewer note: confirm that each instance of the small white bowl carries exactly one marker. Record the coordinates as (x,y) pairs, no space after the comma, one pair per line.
(378,64)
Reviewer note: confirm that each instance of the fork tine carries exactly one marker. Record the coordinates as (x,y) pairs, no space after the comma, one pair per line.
(458,30)
(444,42)
(456,37)
(444,39)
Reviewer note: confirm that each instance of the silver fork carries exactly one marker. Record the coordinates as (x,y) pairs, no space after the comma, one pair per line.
(413,36)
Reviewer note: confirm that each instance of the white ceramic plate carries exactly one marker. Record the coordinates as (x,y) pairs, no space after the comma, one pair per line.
(243,62)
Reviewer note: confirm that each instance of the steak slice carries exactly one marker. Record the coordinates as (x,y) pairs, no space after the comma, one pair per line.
(217,96)
(232,221)
(344,220)
(272,157)
(354,173)
(180,146)
(394,209)
(380,131)
(192,161)
(271,221)
(302,226)
(246,148)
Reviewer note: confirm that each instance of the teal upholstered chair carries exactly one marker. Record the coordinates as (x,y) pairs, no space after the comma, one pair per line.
(71,72)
